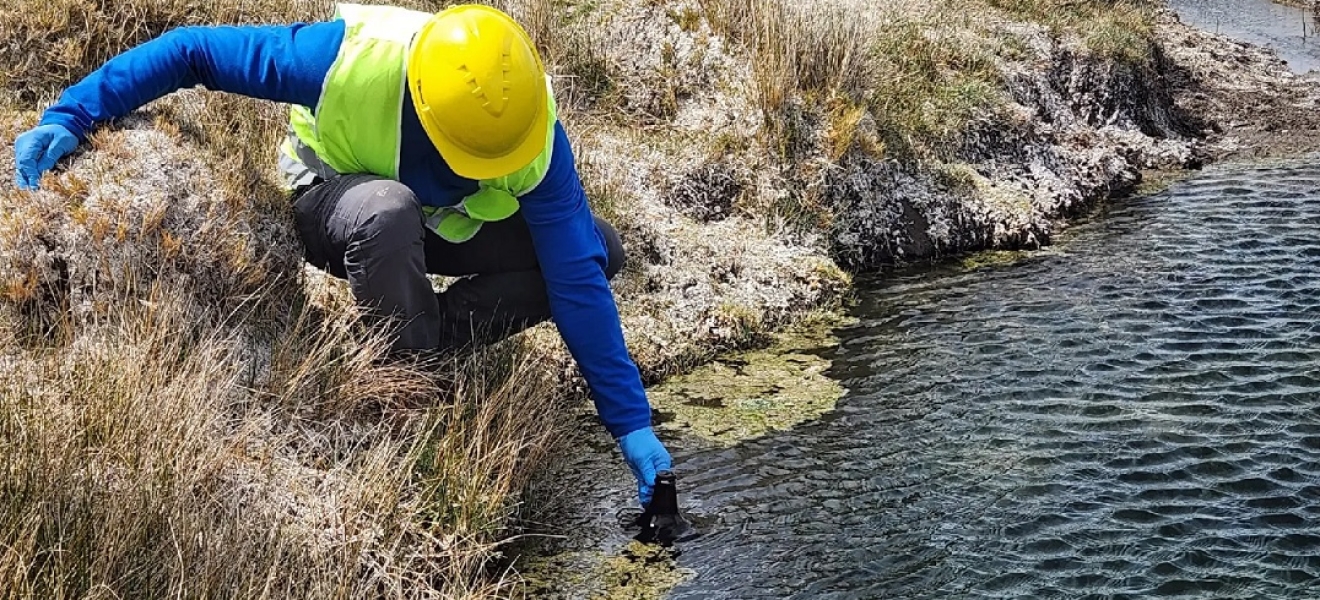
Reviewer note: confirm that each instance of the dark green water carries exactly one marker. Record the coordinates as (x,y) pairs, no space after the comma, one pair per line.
(1134,413)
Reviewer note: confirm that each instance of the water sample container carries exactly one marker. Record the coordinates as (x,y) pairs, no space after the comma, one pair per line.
(661,522)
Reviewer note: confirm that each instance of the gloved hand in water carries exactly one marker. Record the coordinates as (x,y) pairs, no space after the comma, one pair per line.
(646,456)
(37,151)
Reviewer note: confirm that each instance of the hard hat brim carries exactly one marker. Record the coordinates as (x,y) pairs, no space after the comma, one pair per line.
(471,166)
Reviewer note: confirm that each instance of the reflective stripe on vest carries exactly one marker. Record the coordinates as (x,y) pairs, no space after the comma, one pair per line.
(357,124)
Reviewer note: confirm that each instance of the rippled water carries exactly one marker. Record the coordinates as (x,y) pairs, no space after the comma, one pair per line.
(1290,31)
(1134,413)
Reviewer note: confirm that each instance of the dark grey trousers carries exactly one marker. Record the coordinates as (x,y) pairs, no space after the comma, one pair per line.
(371,231)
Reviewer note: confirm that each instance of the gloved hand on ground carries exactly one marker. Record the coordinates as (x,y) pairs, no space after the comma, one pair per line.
(646,456)
(37,151)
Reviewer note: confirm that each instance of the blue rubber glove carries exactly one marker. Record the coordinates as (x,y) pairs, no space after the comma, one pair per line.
(646,456)
(37,151)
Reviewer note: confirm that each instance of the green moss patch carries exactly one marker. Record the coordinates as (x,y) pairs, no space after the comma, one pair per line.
(993,258)
(750,394)
(638,572)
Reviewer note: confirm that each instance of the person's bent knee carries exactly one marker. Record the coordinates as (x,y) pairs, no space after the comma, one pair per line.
(391,213)
(613,248)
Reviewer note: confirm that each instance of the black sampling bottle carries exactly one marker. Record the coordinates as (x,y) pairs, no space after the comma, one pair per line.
(661,522)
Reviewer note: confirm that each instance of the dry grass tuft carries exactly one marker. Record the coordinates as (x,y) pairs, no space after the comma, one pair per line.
(931,82)
(923,69)
(178,417)
(155,456)
(813,53)
(1118,30)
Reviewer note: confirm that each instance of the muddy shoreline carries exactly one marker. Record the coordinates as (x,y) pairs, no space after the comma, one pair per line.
(1252,105)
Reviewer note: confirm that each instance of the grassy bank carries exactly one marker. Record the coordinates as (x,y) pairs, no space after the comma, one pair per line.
(180,416)
(185,413)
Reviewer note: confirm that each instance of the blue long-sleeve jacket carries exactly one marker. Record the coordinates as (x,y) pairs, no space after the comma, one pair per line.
(289,64)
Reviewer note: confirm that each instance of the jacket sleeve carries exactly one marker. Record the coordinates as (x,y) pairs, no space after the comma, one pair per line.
(285,63)
(573,260)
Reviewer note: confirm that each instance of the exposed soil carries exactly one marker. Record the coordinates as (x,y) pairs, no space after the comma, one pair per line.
(1253,106)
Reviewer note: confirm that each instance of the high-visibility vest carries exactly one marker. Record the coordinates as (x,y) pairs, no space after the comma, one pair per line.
(356,126)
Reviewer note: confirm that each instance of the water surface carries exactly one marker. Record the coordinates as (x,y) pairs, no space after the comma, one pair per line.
(1134,413)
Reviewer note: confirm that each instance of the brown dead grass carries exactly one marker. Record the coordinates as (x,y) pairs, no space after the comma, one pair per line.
(177,417)
(925,69)
(155,457)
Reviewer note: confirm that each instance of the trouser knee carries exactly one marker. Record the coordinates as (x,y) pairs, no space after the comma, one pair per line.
(389,216)
(614,254)
(353,215)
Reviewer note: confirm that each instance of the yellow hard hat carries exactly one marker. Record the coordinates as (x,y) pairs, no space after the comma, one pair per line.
(479,88)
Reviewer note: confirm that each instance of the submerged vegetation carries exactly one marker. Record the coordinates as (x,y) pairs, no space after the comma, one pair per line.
(751,394)
(638,572)
(185,412)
